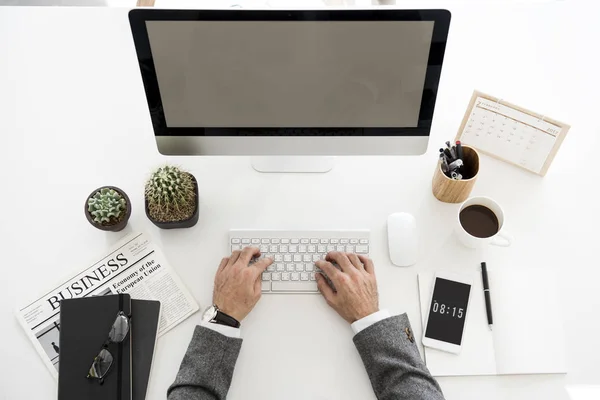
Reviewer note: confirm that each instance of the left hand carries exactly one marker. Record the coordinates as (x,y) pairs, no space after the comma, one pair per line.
(237,284)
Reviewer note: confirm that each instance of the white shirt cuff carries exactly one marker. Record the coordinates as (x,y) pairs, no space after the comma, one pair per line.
(369,320)
(228,331)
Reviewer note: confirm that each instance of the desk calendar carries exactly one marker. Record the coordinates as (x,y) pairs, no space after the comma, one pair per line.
(511,133)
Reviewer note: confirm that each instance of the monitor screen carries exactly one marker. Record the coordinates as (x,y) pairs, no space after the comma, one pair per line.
(355,74)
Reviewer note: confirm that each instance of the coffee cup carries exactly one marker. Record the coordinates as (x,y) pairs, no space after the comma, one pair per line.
(480,221)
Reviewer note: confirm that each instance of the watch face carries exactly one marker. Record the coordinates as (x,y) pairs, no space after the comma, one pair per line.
(209,314)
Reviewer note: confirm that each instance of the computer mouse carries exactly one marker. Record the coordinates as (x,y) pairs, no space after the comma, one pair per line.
(402,239)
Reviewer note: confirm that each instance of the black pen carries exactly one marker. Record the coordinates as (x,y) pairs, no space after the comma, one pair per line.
(486,293)
(459,150)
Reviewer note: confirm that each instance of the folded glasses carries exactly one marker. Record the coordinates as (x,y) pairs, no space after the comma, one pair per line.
(104,360)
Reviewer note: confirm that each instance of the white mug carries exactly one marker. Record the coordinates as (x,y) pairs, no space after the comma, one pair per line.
(500,238)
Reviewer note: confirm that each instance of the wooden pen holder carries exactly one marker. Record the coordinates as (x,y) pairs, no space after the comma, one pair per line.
(450,190)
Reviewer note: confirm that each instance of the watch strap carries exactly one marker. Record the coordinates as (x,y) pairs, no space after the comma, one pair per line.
(223,319)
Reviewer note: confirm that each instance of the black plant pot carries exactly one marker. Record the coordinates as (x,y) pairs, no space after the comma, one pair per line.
(186,223)
(114,227)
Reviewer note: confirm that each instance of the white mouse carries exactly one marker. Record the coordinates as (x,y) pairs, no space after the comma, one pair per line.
(403,239)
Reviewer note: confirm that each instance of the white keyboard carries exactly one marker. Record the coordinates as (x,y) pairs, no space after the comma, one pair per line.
(294,254)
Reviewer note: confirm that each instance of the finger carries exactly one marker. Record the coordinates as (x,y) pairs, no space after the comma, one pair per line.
(262,264)
(325,289)
(223,264)
(355,261)
(327,267)
(234,257)
(247,254)
(368,263)
(342,260)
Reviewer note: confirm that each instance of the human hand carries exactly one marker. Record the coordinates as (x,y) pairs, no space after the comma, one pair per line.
(356,287)
(237,284)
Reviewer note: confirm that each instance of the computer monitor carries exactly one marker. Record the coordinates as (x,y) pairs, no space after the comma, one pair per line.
(289,83)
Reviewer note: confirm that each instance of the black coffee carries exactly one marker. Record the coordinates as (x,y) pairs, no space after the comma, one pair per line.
(479,221)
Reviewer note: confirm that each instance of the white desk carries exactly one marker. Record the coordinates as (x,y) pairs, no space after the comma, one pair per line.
(73,117)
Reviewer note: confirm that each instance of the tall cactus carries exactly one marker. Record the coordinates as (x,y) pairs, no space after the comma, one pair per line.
(170,194)
(107,206)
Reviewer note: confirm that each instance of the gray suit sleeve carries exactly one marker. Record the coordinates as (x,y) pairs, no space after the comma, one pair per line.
(393,361)
(207,367)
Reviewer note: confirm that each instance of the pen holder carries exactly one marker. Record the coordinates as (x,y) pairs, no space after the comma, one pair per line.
(450,190)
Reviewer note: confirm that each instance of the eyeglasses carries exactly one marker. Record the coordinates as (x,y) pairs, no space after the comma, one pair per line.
(104,360)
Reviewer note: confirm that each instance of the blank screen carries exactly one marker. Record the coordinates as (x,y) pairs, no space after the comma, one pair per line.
(448,311)
(291,73)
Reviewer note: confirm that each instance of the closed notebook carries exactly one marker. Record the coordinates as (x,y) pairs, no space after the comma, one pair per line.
(85,324)
(527,337)
(144,327)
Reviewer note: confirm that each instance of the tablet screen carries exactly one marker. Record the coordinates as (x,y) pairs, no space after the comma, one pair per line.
(448,311)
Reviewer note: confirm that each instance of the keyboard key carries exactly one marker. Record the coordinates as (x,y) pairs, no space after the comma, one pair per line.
(245,241)
(279,267)
(334,241)
(289,267)
(255,241)
(294,287)
(324,241)
(293,248)
(304,276)
(271,268)
(353,241)
(283,248)
(278,257)
(299,267)
(364,241)
(294,241)
(330,248)
(266,276)
(297,257)
(302,248)
(309,267)
(287,257)
(294,276)
(312,276)
(314,241)
(285,276)
(275,241)
(270,256)
(265,286)
(316,257)
(344,241)
(284,241)
(307,258)
(311,249)
(235,241)
(263,248)
(235,247)
(273,248)
(350,249)
(304,241)
(265,241)
(322,249)
(362,249)
(276,276)
(340,248)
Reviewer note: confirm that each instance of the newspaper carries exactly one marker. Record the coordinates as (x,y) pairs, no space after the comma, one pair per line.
(135,266)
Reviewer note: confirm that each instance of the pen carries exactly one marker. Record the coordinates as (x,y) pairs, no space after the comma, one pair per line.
(486,293)
(456,164)
(459,150)
(445,167)
(448,154)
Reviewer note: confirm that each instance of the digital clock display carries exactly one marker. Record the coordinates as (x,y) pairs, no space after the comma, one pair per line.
(447,313)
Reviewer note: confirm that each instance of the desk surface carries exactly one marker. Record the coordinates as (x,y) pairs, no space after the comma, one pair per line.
(73,117)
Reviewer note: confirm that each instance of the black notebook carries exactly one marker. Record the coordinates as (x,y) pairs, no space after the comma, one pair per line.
(84,326)
(145,317)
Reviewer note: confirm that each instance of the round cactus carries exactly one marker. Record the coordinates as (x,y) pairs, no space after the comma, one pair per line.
(170,194)
(107,206)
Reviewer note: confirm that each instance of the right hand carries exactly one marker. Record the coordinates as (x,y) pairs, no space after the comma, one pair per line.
(237,284)
(356,287)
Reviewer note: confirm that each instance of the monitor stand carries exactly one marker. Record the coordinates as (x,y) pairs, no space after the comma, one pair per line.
(293,163)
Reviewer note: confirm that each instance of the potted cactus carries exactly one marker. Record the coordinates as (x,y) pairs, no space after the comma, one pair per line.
(171,198)
(108,208)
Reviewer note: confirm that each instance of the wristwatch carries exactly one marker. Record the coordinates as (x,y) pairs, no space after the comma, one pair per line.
(216,316)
